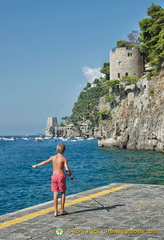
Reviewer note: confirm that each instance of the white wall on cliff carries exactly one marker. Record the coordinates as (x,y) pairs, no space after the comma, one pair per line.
(138,119)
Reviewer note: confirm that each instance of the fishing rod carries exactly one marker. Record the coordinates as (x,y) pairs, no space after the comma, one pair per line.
(82,188)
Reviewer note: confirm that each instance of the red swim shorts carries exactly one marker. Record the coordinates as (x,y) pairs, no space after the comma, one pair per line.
(58,182)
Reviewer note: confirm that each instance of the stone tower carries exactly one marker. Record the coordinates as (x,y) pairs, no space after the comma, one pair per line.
(126,61)
(50,127)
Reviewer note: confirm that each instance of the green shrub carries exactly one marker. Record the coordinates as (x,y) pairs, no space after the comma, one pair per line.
(109,98)
(128,80)
(152,91)
(104,114)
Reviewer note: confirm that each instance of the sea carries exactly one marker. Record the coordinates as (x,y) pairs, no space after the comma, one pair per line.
(21,186)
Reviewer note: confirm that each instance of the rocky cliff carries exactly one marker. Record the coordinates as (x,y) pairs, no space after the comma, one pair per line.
(135,120)
(137,117)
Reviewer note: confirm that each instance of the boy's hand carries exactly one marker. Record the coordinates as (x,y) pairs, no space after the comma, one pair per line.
(34,166)
(69,172)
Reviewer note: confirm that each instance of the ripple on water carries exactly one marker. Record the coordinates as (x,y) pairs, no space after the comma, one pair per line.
(92,166)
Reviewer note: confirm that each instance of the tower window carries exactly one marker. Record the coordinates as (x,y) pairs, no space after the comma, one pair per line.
(119,63)
(129,54)
(118,75)
(126,74)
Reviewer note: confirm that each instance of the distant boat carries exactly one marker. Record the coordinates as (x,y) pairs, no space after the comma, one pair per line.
(9,139)
(91,138)
(55,139)
(25,138)
(39,139)
(79,138)
(64,139)
(46,138)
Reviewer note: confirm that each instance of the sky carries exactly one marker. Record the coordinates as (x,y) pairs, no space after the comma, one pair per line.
(49,51)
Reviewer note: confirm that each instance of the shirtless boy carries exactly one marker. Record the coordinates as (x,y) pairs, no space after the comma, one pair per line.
(58,179)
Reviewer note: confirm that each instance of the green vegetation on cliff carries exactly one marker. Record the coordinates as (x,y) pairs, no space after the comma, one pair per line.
(105,70)
(152,36)
(86,106)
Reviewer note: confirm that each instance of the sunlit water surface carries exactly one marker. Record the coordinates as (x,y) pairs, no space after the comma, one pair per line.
(21,186)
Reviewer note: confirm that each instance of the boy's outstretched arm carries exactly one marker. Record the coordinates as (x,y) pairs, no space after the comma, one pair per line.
(42,163)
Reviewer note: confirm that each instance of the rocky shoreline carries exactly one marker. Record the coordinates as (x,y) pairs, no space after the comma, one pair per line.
(138,120)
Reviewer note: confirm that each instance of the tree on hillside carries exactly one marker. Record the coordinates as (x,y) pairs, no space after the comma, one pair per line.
(87,86)
(65,118)
(105,70)
(133,37)
(152,36)
(86,106)
(133,40)
(96,81)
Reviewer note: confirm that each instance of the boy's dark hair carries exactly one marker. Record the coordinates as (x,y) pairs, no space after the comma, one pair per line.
(60,148)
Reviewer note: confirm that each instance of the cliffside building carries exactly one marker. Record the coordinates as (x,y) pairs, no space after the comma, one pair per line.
(126,61)
(67,130)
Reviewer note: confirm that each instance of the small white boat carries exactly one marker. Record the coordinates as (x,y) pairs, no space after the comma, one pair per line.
(38,139)
(9,139)
(25,138)
(79,138)
(65,139)
(90,138)
(46,138)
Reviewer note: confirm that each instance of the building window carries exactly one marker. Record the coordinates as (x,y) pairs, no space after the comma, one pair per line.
(129,54)
(118,75)
(119,63)
(126,74)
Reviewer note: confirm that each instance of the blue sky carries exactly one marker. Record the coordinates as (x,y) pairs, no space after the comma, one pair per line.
(50,49)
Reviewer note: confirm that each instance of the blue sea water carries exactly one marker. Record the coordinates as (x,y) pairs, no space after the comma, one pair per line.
(22,186)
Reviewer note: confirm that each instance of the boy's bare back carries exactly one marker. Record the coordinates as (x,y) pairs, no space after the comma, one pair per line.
(59,162)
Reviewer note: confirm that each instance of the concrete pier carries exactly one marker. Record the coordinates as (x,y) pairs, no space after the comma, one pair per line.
(116,211)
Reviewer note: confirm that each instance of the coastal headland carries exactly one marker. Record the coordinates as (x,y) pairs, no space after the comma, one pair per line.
(136,120)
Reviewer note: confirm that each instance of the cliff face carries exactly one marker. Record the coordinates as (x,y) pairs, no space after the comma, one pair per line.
(66,132)
(137,120)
